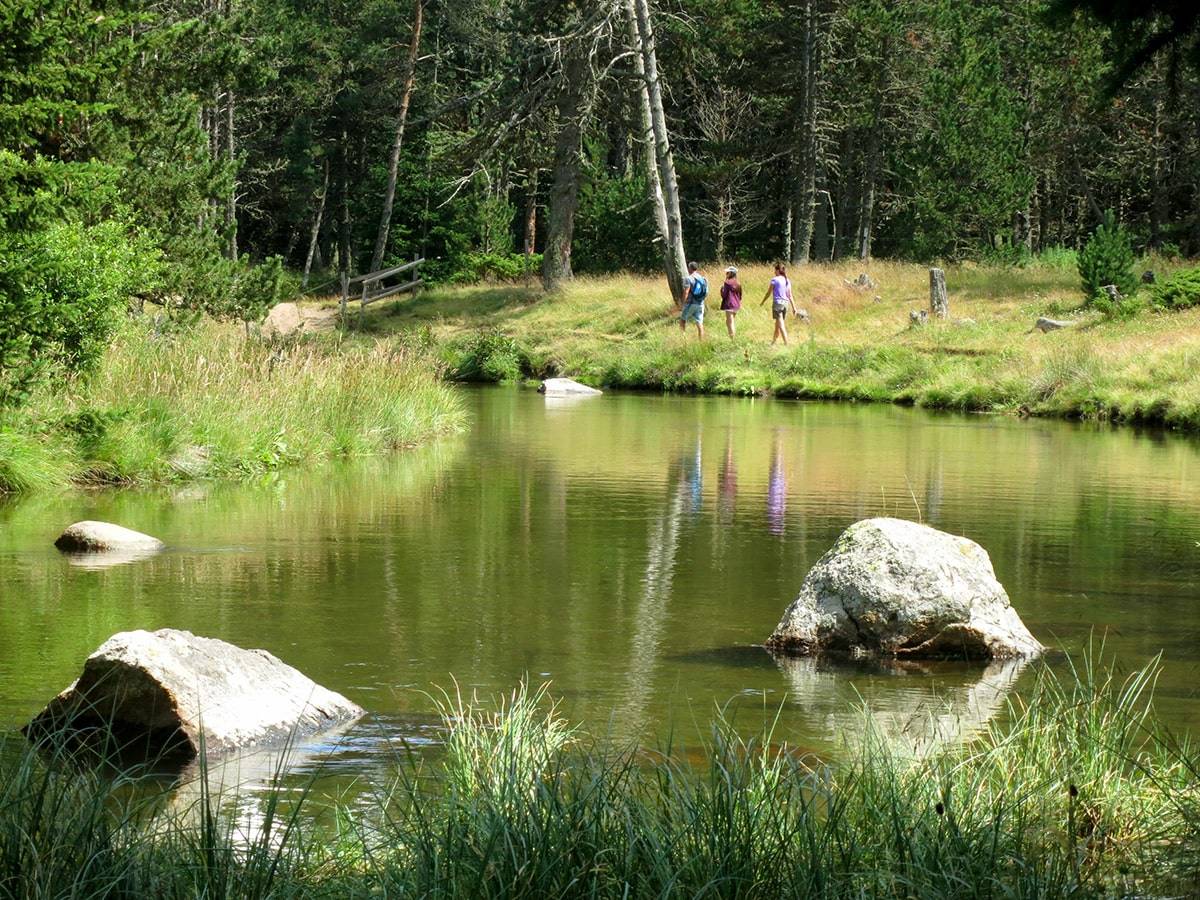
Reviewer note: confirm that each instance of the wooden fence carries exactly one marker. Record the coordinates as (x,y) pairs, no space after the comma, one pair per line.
(373,287)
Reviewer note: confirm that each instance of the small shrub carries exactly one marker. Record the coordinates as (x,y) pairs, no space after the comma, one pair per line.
(1108,258)
(1125,308)
(1180,291)
(490,357)
(63,291)
(477,267)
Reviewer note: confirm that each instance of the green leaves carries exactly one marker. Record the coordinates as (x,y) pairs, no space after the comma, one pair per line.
(62,293)
(1106,259)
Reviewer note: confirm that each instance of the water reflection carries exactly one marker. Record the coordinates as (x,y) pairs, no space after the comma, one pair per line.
(597,545)
(777,487)
(727,483)
(919,706)
(106,559)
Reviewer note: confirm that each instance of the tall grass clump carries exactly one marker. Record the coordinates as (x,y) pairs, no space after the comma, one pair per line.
(1074,791)
(210,401)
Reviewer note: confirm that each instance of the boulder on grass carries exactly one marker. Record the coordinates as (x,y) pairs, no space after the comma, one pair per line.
(565,387)
(162,690)
(1045,324)
(283,320)
(104,537)
(890,587)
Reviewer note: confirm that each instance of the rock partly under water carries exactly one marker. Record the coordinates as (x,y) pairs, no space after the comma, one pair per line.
(174,691)
(104,537)
(564,387)
(897,588)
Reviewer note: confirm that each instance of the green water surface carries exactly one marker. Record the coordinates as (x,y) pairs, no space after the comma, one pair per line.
(633,551)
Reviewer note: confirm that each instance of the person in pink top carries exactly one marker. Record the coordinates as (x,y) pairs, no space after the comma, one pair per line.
(731,298)
(780,293)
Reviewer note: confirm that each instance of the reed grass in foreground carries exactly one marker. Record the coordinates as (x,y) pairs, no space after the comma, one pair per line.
(1077,793)
(211,402)
(619,331)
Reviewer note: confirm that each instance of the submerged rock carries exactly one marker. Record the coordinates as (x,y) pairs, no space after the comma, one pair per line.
(563,387)
(897,588)
(164,689)
(104,537)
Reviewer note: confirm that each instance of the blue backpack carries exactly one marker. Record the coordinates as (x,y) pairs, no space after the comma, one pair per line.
(699,291)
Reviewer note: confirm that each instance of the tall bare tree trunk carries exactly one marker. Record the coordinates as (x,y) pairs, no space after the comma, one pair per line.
(345,258)
(316,227)
(654,190)
(675,257)
(807,146)
(574,107)
(866,210)
(531,190)
(389,195)
(231,202)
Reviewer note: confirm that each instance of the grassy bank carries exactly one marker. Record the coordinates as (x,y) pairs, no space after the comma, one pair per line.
(619,332)
(1077,793)
(208,401)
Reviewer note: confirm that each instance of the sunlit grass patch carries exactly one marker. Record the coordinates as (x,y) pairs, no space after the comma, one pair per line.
(210,401)
(621,331)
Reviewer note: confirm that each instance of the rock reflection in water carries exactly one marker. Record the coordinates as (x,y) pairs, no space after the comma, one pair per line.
(106,559)
(240,787)
(917,710)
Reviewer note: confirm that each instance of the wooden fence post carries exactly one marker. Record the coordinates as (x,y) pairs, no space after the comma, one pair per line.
(939,302)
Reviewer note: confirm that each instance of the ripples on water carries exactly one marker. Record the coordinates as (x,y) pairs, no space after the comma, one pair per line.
(633,550)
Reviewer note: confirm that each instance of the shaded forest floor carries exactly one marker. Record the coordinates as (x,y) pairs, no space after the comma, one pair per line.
(621,332)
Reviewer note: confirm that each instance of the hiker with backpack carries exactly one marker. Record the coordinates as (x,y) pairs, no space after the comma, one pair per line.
(695,292)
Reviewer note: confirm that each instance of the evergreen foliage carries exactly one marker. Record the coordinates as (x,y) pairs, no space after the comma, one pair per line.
(222,137)
(1107,259)
(1179,291)
(63,292)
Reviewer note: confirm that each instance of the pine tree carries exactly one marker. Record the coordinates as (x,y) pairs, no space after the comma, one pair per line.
(1106,259)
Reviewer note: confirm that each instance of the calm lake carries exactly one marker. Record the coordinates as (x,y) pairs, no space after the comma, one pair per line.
(633,551)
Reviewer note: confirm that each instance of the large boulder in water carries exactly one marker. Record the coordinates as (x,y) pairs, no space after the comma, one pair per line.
(104,537)
(163,689)
(897,588)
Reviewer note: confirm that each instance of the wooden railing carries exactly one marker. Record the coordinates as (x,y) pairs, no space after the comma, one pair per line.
(373,287)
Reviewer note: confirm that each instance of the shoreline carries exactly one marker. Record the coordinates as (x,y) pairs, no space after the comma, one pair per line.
(618,332)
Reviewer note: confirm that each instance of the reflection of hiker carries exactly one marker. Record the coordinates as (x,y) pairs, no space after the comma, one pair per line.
(780,293)
(731,297)
(695,292)
(776,489)
(727,484)
(693,475)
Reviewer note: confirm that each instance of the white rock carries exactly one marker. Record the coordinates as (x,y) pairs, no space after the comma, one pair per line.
(282,320)
(1044,324)
(103,537)
(169,687)
(897,588)
(561,387)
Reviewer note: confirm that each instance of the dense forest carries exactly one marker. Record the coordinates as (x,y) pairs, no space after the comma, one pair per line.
(196,140)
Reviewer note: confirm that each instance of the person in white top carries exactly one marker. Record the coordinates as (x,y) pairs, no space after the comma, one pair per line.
(780,294)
